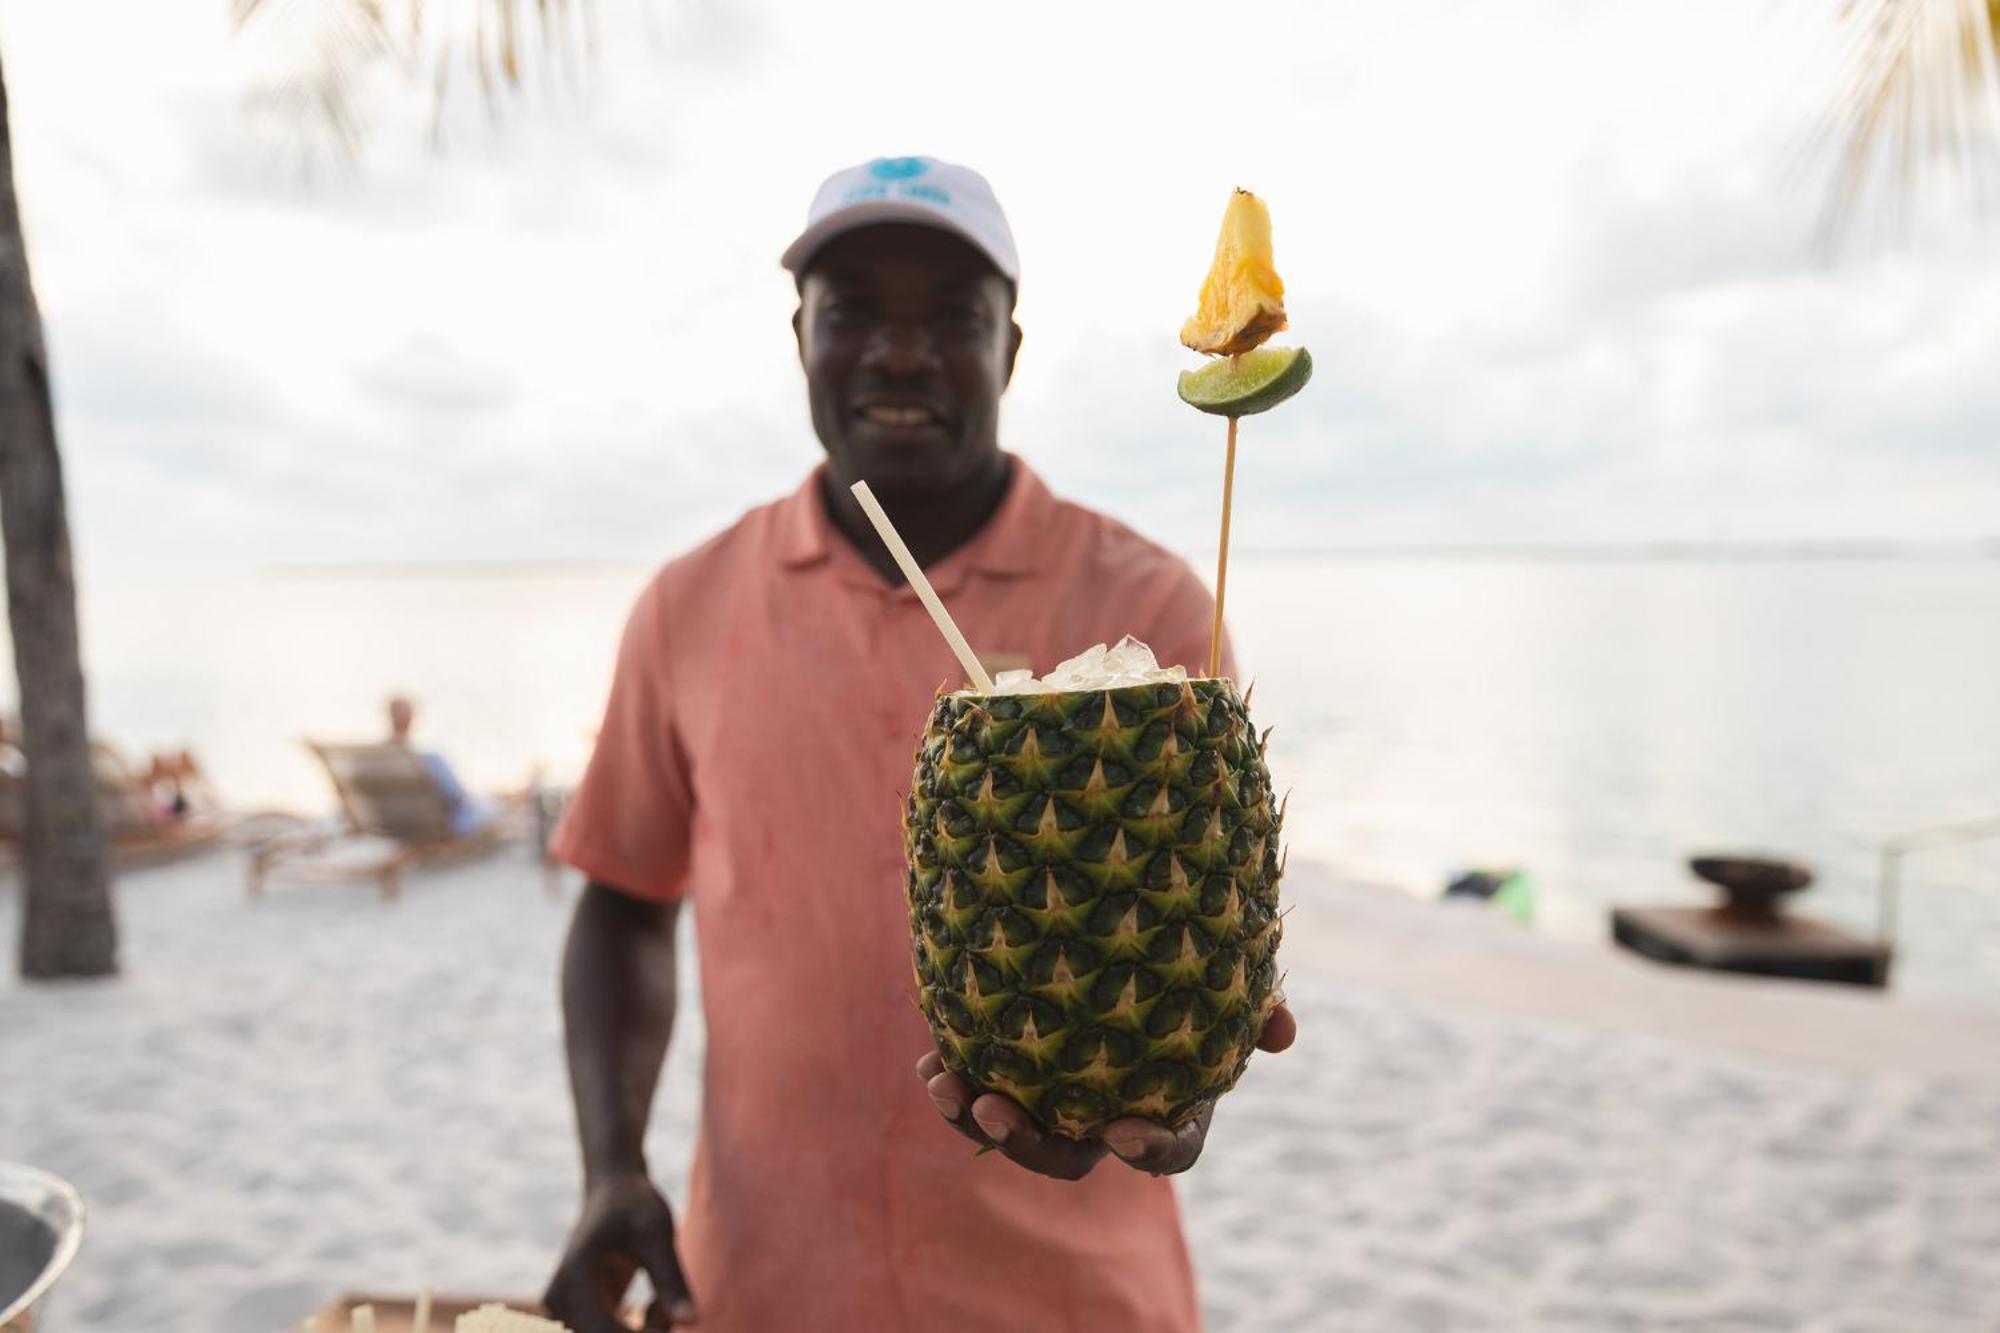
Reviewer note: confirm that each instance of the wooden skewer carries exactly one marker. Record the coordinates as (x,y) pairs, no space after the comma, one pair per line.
(925,593)
(1222,561)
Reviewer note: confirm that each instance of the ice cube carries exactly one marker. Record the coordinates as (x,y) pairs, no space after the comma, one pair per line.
(1098,667)
(1129,658)
(1087,662)
(1018,681)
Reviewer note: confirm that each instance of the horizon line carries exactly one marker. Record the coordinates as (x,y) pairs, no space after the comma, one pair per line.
(1832,549)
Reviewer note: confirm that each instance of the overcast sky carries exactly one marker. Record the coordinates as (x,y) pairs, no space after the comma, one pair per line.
(1553,259)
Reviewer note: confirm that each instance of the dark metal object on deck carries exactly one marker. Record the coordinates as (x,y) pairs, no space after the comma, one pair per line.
(1747,932)
(1751,885)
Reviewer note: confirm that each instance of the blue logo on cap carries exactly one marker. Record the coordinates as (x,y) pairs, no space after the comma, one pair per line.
(897,168)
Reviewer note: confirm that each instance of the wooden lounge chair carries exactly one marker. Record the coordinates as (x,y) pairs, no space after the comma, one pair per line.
(138,835)
(394,817)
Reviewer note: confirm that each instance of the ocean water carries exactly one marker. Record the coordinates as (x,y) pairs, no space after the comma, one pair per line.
(1592,720)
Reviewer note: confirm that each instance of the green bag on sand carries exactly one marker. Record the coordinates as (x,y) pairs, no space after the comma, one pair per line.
(1516,897)
(1508,891)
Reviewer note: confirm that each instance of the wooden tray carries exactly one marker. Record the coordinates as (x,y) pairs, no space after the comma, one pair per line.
(395,1313)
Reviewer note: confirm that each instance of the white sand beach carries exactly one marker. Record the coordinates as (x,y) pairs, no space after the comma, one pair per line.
(1479,1129)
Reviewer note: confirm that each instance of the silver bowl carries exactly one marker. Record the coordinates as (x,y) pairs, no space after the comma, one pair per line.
(41,1225)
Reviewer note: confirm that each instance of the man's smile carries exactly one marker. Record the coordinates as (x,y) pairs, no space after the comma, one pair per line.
(884,415)
(900,413)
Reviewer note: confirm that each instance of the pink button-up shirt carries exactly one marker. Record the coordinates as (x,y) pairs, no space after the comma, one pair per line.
(761,730)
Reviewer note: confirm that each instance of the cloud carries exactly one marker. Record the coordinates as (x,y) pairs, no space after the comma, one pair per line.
(1729,223)
(113,368)
(427,374)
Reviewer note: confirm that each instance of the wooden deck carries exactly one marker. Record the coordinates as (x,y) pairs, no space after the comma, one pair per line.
(1785,945)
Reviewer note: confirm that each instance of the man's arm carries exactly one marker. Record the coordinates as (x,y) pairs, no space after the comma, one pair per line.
(618,992)
(619,987)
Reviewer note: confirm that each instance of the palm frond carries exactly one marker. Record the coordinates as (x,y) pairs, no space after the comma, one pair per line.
(327,47)
(333,45)
(1922,93)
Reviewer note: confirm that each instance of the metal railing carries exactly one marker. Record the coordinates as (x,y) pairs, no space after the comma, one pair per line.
(1889,890)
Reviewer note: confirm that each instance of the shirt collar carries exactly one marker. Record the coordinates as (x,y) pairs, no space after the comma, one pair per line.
(1008,545)
(803,528)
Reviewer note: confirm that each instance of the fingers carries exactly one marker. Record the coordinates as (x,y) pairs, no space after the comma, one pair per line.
(947,1089)
(1280,1030)
(664,1318)
(672,1305)
(1000,1122)
(994,1121)
(1153,1148)
(574,1298)
(1145,1144)
(615,1272)
(1008,1128)
(953,1099)
(626,1226)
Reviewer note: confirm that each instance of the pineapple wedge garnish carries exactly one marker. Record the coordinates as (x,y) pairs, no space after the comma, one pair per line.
(1242,299)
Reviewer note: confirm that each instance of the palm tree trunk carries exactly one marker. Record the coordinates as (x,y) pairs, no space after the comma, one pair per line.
(67,929)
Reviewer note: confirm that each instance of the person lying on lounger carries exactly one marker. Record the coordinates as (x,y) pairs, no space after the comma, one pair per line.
(468,813)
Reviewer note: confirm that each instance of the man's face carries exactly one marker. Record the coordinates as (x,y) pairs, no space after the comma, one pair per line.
(907,337)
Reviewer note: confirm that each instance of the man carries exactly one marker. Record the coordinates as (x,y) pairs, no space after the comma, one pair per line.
(467,813)
(761,727)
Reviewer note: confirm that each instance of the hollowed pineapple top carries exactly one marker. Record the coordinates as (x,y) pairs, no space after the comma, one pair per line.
(1093,891)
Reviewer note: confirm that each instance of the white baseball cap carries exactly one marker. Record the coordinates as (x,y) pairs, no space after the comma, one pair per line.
(922,190)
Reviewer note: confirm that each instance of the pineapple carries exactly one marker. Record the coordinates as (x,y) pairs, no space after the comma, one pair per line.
(1093,885)
(1242,299)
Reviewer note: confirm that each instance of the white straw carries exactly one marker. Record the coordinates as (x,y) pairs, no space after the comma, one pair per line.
(904,560)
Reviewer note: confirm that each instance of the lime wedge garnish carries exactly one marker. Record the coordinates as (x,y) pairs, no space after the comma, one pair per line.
(1240,386)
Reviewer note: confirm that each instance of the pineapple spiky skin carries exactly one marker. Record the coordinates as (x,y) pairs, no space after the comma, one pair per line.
(1093,888)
